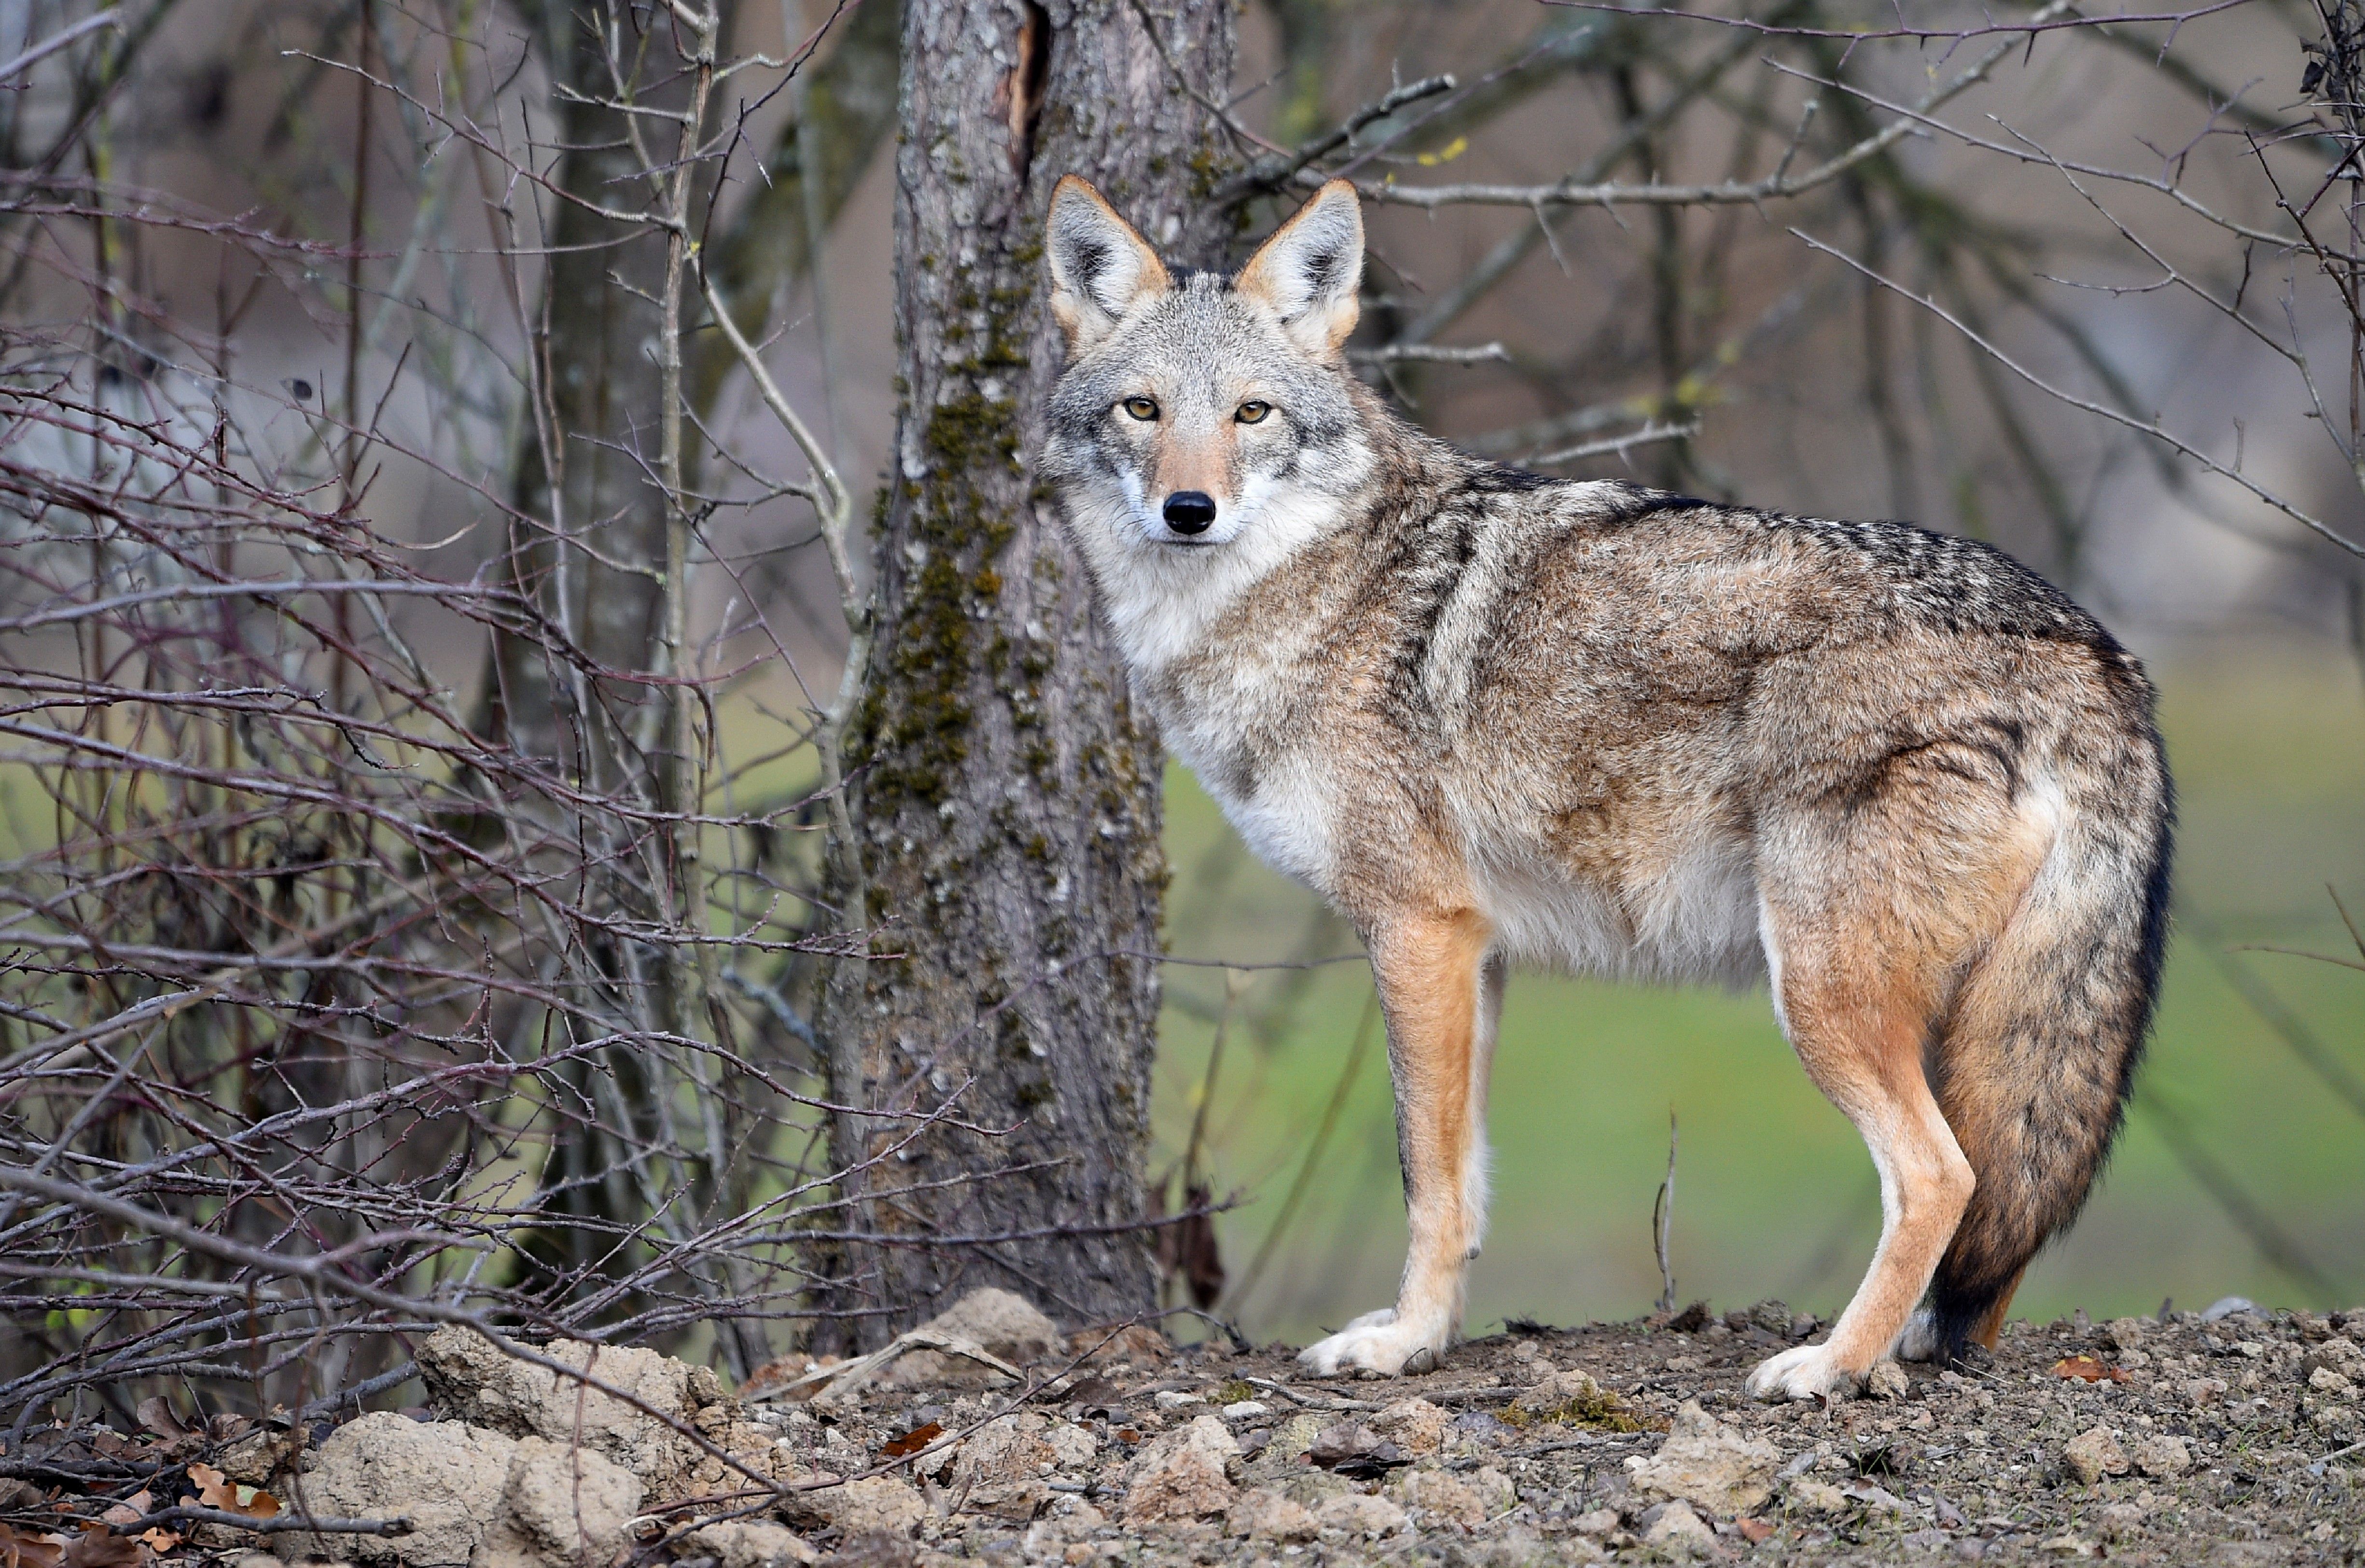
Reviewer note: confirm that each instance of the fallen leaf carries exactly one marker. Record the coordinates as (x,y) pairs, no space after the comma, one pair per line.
(2086,1369)
(160,1539)
(155,1413)
(1753,1530)
(131,1509)
(1186,1247)
(913,1441)
(216,1490)
(18,1550)
(102,1548)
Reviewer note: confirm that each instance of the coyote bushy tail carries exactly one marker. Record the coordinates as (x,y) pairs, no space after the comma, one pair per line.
(2035,1062)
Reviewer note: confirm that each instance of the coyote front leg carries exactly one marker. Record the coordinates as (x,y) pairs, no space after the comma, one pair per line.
(1441,994)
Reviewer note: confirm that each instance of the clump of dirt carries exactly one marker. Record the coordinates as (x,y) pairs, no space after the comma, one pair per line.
(2230,1438)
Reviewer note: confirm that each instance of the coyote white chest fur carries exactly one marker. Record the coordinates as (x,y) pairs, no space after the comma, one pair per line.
(1495,717)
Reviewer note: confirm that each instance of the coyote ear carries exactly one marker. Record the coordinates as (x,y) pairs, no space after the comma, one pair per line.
(1306,274)
(1101,267)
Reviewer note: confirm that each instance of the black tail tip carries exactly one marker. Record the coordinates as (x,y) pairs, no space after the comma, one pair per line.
(1959,1312)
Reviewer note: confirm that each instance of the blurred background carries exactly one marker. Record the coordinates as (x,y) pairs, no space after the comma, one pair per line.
(2055,294)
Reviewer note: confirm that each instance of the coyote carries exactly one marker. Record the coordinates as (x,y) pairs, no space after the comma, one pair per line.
(1496,717)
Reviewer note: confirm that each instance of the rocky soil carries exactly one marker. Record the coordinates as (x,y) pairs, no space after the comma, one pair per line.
(2233,1439)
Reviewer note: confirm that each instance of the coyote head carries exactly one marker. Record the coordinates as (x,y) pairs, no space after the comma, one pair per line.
(1198,412)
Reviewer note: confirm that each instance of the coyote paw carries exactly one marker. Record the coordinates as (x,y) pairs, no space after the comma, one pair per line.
(1806,1372)
(1919,1341)
(1377,1341)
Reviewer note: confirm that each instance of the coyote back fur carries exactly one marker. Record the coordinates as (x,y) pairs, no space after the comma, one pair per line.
(1495,717)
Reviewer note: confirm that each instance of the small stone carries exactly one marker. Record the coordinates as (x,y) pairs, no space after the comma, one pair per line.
(2337,1355)
(2065,1546)
(1600,1522)
(2125,1333)
(1073,1447)
(1003,1324)
(476,1381)
(564,1503)
(1678,1530)
(1268,1515)
(1358,1515)
(1557,1396)
(1313,1486)
(2324,1380)
(1413,1424)
(2092,1454)
(879,1505)
(999,1468)
(1438,1498)
(752,1543)
(1183,1474)
(447,1478)
(1293,1437)
(1817,1497)
(1887,1380)
(1876,1498)
(1706,1463)
(2121,1520)
(1175,1399)
(1245,1410)
(2162,1456)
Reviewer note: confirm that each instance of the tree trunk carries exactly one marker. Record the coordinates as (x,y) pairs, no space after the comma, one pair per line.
(587,538)
(1007,802)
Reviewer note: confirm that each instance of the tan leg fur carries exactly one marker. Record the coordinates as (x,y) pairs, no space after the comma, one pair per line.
(1867,981)
(1442,995)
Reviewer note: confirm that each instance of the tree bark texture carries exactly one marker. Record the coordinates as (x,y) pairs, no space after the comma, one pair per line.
(1006,790)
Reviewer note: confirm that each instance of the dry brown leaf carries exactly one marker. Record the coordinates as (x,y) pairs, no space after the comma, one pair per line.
(21,1550)
(216,1490)
(102,1548)
(131,1510)
(913,1441)
(159,1539)
(1753,1530)
(155,1413)
(2086,1369)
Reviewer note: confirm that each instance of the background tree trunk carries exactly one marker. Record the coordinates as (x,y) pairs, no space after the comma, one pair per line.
(1006,791)
(585,469)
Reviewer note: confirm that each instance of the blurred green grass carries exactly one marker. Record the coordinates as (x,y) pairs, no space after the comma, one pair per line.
(1775,1194)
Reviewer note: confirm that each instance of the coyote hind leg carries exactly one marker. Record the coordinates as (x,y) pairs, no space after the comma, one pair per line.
(1870,931)
(1862,1045)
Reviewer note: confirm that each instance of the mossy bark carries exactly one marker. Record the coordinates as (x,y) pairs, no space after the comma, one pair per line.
(1006,790)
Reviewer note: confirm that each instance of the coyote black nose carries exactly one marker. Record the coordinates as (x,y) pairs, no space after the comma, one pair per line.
(1190,511)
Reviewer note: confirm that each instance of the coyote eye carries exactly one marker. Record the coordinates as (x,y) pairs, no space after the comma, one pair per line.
(1251,411)
(1140,407)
